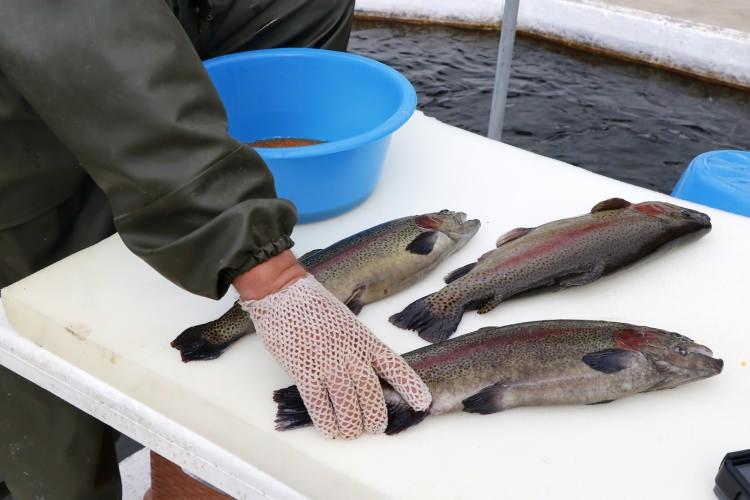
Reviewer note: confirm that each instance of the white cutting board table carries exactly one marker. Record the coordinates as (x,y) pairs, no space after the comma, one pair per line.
(95,329)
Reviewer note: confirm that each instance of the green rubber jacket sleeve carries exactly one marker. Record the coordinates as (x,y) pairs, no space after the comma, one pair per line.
(120,84)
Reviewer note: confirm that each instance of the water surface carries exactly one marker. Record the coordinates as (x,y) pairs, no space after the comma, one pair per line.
(634,123)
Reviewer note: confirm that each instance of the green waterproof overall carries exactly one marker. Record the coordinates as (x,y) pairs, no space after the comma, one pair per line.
(108,122)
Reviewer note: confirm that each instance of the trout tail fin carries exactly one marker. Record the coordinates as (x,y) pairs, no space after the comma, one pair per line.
(209,340)
(194,346)
(434,322)
(290,409)
(292,414)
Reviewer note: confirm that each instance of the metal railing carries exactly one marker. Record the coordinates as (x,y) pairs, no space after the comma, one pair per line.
(502,69)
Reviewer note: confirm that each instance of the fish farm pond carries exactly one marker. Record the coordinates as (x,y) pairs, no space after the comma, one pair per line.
(638,124)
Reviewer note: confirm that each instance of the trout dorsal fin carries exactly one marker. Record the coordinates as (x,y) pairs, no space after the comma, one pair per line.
(308,255)
(610,204)
(513,234)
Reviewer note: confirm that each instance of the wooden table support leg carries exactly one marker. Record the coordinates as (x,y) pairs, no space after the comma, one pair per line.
(169,482)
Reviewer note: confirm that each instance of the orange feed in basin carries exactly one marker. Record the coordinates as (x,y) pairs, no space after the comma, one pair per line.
(283,142)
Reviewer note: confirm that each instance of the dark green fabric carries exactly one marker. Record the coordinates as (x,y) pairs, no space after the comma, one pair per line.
(108,121)
(264,24)
(51,450)
(120,85)
(78,222)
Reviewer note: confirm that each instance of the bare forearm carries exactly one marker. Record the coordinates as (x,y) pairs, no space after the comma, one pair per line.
(269,277)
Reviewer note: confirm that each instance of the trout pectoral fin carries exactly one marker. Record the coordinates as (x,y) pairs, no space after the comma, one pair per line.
(458,273)
(423,244)
(610,360)
(486,401)
(354,302)
(513,234)
(610,204)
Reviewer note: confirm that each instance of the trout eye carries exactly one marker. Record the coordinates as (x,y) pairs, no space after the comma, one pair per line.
(681,350)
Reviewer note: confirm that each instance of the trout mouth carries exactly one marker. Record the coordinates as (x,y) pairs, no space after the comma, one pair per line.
(455,225)
(701,349)
(699,218)
(706,365)
(465,228)
(469,228)
(692,366)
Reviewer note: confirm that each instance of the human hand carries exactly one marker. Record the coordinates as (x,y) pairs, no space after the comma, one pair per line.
(269,277)
(333,358)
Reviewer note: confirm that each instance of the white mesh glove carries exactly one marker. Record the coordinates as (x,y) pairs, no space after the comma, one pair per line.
(333,358)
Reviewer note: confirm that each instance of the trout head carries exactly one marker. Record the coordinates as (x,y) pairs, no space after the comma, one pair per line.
(679,219)
(677,358)
(452,224)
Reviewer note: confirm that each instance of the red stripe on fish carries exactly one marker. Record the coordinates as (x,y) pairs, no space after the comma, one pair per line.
(522,336)
(557,242)
(345,252)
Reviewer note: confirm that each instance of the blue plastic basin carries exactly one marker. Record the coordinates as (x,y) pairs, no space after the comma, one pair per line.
(719,179)
(351,102)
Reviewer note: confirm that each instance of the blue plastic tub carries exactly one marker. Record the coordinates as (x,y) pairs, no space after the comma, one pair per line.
(719,179)
(352,103)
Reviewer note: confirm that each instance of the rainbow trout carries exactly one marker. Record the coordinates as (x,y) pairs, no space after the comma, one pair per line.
(534,364)
(358,270)
(563,253)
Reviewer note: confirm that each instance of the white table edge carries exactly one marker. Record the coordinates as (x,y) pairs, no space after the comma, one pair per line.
(52,373)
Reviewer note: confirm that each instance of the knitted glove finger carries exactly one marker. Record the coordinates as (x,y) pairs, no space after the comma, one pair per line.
(345,403)
(374,413)
(393,369)
(319,407)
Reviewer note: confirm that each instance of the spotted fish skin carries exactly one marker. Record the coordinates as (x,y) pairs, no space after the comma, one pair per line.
(384,260)
(560,254)
(358,270)
(537,363)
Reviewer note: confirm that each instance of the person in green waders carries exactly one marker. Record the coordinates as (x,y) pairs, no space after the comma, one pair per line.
(108,122)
